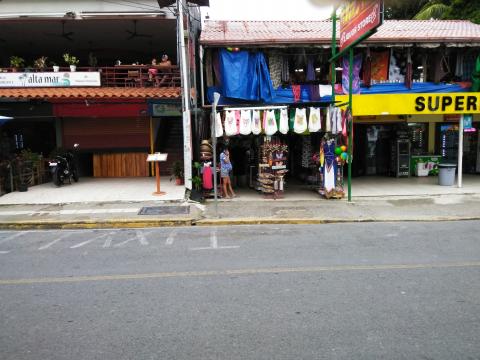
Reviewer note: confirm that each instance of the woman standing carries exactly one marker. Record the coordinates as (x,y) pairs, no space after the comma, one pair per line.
(225,169)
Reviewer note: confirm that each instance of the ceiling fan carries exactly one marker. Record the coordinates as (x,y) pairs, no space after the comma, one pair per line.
(134,33)
(65,35)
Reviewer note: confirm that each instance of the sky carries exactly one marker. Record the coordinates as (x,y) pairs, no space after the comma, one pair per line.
(268,9)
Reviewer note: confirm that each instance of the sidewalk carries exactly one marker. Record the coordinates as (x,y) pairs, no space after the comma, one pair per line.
(238,212)
(115,203)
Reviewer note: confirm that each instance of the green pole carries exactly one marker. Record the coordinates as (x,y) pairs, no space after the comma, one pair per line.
(334,50)
(350,125)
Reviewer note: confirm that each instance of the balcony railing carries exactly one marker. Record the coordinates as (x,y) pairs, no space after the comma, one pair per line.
(125,75)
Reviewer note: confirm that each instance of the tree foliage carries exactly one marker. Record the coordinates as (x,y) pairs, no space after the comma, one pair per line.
(433,9)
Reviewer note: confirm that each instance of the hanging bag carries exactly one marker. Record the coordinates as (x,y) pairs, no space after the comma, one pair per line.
(245,122)
(283,121)
(256,123)
(300,124)
(314,120)
(271,123)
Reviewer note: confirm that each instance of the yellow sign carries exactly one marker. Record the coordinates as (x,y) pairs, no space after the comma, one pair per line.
(415,104)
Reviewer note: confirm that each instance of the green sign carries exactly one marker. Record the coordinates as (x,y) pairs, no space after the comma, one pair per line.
(159,110)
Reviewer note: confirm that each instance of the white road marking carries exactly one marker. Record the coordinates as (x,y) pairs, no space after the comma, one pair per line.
(214,243)
(140,236)
(13,236)
(171,238)
(91,240)
(107,243)
(54,241)
(4,252)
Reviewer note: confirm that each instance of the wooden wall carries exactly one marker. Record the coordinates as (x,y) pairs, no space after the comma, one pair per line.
(120,165)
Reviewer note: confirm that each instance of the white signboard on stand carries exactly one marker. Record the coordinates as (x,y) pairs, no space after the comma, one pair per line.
(49,79)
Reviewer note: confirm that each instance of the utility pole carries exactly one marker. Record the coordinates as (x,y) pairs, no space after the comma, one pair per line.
(187,125)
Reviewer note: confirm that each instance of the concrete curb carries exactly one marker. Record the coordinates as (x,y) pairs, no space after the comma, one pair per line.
(142,223)
(94,224)
(306,221)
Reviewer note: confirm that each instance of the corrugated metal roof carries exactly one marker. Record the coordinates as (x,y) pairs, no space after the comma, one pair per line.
(90,93)
(320,32)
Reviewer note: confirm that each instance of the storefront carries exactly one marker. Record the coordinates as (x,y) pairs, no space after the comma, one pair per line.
(427,125)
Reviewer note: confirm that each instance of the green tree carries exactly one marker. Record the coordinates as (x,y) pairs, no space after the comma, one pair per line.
(433,10)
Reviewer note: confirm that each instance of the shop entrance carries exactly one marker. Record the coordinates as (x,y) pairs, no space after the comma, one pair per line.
(301,176)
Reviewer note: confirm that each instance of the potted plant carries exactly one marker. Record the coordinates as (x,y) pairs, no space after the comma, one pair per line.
(40,63)
(177,173)
(71,60)
(16,62)
(54,66)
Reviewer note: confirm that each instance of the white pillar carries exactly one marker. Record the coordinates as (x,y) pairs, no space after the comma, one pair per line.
(460,152)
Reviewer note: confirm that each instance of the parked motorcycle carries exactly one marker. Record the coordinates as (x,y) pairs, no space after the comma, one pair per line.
(64,168)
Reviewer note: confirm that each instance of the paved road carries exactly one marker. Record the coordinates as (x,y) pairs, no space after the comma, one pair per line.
(340,291)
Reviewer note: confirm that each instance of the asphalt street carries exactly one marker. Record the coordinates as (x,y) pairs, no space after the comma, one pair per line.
(406,290)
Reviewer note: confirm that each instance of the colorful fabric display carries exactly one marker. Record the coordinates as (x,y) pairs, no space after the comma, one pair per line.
(230,123)
(245,122)
(300,124)
(218,125)
(256,123)
(270,123)
(314,120)
(283,121)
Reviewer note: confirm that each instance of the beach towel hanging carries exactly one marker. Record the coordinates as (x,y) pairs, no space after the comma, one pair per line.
(230,123)
(245,122)
(218,125)
(283,121)
(270,123)
(314,123)
(300,124)
(256,123)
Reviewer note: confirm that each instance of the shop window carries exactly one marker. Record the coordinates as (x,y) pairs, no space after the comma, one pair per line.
(417,134)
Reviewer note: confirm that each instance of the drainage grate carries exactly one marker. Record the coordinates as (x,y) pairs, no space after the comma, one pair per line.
(164,210)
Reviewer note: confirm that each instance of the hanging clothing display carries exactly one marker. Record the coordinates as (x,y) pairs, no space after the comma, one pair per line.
(275,66)
(325,90)
(300,124)
(409,70)
(283,128)
(256,123)
(218,125)
(459,65)
(285,70)
(230,123)
(270,123)
(380,61)
(297,92)
(367,69)
(330,165)
(245,122)
(306,152)
(314,120)
(357,65)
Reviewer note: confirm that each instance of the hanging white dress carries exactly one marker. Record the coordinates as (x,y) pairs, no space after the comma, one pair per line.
(283,121)
(270,123)
(245,122)
(230,123)
(300,124)
(256,123)
(328,123)
(314,120)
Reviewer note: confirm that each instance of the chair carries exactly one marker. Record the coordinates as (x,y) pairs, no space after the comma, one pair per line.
(133,79)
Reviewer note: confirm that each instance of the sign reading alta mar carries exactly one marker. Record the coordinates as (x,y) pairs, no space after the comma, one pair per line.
(358,17)
(49,79)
